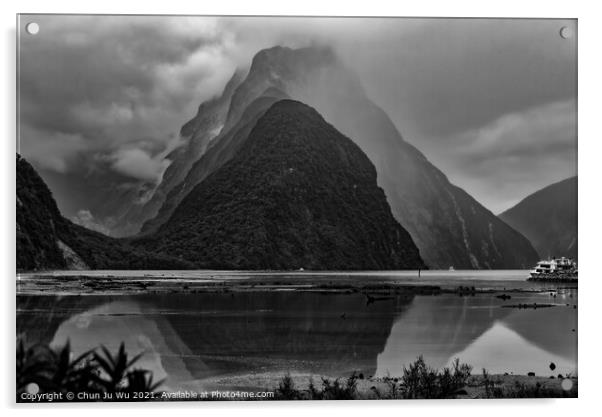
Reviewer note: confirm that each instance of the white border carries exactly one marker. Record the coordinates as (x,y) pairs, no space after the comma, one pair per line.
(590,177)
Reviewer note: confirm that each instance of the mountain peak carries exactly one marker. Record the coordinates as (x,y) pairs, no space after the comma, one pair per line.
(293,116)
(294,72)
(282,55)
(448,225)
(291,107)
(298,194)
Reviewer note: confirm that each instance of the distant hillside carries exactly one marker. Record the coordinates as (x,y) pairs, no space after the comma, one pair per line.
(46,240)
(37,215)
(548,218)
(297,194)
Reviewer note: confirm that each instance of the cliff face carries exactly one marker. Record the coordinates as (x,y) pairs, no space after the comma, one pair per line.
(297,194)
(199,132)
(37,220)
(46,240)
(548,218)
(448,225)
(223,148)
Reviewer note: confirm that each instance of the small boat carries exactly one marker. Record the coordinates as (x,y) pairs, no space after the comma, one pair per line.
(555,269)
(451,269)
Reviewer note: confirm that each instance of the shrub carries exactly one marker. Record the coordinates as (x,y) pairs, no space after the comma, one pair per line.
(337,390)
(53,371)
(421,381)
(286,389)
(491,391)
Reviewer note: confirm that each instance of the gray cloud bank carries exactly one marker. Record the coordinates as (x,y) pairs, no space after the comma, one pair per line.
(491,102)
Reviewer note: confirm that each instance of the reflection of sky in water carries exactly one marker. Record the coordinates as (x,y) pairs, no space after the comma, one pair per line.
(481,333)
(500,350)
(125,321)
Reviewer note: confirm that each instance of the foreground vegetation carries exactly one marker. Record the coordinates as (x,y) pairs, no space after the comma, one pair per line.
(41,370)
(420,381)
(111,377)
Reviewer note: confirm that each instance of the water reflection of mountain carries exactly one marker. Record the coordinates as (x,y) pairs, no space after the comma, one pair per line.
(550,329)
(331,334)
(191,337)
(442,328)
(38,317)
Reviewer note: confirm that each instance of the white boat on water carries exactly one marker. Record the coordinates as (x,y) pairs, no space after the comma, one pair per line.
(555,268)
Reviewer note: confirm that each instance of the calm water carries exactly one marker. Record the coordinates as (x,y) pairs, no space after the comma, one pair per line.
(197,340)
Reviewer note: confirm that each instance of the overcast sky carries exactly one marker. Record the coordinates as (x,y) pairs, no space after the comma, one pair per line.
(492,103)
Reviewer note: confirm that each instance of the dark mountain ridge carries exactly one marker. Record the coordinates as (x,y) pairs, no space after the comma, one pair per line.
(548,218)
(447,224)
(221,150)
(46,240)
(199,132)
(297,194)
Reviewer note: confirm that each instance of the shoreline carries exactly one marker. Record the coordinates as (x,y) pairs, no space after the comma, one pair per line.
(73,284)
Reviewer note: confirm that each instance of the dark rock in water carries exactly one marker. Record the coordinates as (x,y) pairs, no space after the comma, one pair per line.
(534,306)
(370,299)
(548,218)
(297,194)
(46,240)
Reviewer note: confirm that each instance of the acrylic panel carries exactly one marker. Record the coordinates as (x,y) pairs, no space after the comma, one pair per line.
(301,208)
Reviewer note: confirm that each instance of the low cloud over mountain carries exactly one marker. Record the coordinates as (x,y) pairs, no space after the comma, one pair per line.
(99,95)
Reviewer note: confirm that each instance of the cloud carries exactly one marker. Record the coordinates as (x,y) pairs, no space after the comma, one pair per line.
(516,154)
(137,163)
(86,219)
(111,92)
(532,132)
(50,150)
(449,75)
(117,81)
